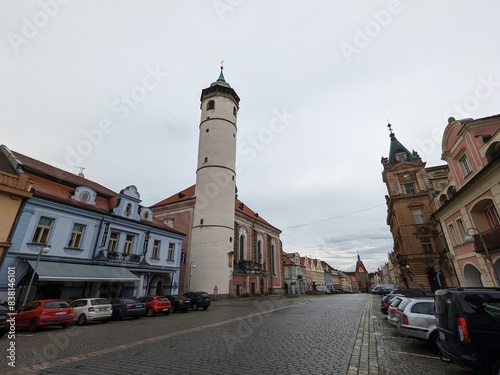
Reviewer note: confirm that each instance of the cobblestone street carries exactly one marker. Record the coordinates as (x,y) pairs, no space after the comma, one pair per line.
(330,334)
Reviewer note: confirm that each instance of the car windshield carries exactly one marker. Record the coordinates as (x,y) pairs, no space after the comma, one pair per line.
(129,300)
(99,301)
(56,304)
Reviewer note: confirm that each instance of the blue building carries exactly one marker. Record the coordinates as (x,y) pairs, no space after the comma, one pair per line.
(75,238)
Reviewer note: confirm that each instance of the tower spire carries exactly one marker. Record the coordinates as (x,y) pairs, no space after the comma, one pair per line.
(221,75)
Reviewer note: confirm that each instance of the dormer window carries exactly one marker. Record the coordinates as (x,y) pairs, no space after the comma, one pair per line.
(84,194)
(400,156)
(146,214)
(210,105)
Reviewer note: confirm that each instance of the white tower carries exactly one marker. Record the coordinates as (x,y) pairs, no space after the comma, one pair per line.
(212,232)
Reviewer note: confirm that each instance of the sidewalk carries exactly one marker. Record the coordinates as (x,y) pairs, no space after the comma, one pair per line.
(364,359)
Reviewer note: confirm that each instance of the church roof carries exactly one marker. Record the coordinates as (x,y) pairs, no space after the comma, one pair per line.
(189,193)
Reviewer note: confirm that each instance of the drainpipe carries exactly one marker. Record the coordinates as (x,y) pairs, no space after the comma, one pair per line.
(97,238)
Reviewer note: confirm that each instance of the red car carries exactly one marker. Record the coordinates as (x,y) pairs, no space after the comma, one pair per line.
(156,305)
(41,313)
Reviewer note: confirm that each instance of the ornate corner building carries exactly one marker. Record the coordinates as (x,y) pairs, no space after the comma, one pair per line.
(420,256)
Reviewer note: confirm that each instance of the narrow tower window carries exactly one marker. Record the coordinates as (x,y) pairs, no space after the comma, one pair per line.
(210,105)
(234,111)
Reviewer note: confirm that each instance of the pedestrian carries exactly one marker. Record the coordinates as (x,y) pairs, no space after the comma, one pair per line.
(216,291)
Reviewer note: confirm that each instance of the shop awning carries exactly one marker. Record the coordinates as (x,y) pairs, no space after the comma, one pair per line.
(53,271)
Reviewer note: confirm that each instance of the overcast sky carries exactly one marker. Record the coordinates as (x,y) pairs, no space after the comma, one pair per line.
(114,86)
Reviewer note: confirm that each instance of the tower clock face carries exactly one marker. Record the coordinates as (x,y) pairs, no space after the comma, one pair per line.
(407,176)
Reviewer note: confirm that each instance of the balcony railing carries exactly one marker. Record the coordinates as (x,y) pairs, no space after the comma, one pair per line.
(118,257)
(491,240)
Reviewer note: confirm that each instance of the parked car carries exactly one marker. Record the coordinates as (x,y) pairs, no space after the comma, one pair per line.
(127,307)
(417,320)
(157,305)
(93,309)
(42,313)
(179,303)
(386,301)
(198,299)
(4,316)
(377,287)
(468,321)
(392,311)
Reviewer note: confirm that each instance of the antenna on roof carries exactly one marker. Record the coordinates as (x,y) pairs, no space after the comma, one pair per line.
(80,174)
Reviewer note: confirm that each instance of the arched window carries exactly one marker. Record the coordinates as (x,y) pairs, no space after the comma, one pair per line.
(259,251)
(210,105)
(242,247)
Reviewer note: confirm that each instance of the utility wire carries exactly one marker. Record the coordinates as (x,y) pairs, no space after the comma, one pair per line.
(332,218)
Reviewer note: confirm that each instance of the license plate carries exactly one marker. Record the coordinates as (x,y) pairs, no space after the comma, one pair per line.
(60,313)
(442,336)
(138,306)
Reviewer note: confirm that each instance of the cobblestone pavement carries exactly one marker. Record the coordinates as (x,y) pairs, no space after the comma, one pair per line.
(339,334)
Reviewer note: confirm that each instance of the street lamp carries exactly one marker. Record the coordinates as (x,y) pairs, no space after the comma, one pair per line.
(470,239)
(191,266)
(41,250)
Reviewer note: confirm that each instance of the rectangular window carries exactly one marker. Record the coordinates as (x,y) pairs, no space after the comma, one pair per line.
(492,217)
(43,230)
(453,235)
(426,245)
(75,242)
(156,249)
(129,242)
(171,250)
(113,242)
(183,258)
(418,216)
(462,230)
(465,165)
(409,189)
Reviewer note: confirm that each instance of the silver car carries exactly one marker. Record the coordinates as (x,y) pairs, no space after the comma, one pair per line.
(417,319)
(91,309)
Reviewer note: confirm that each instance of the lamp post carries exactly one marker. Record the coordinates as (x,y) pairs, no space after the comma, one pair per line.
(470,239)
(41,250)
(191,266)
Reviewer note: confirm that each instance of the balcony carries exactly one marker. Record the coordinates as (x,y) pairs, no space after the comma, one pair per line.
(118,257)
(491,240)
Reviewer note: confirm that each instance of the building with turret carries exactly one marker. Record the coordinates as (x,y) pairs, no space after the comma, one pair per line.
(420,258)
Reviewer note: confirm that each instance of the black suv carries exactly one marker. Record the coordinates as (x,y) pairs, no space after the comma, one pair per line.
(198,299)
(468,320)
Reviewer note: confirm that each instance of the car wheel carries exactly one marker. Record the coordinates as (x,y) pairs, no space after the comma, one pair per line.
(105,321)
(33,325)
(495,368)
(166,312)
(151,312)
(194,307)
(184,311)
(82,320)
(433,339)
(65,325)
(137,317)
(117,315)
(206,307)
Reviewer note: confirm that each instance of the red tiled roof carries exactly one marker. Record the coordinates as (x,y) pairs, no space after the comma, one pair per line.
(189,193)
(58,185)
